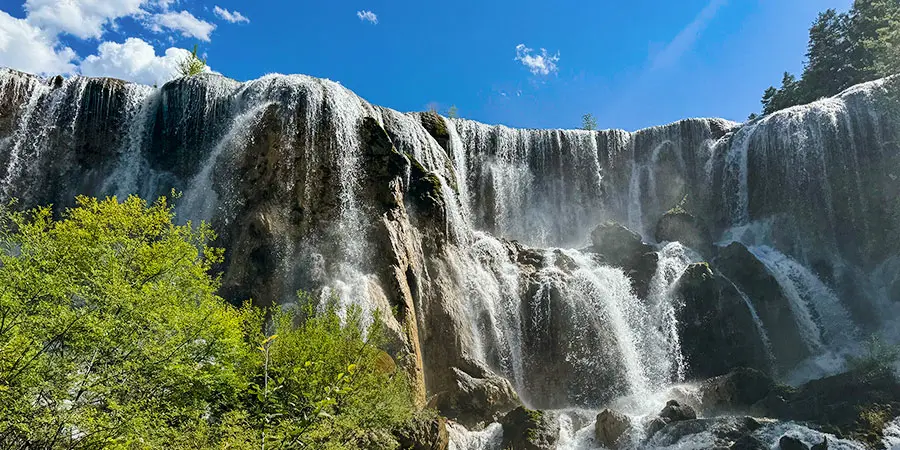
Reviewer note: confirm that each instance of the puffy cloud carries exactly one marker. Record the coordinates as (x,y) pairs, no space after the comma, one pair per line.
(81,18)
(538,63)
(367,16)
(233,17)
(25,47)
(134,60)
(184,22)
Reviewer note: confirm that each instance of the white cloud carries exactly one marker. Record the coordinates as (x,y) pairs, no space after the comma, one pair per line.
(25,47)
(134,60)
(81,18)
(367,16)
(184,22)
(233,17)
(538,63)
(687,37)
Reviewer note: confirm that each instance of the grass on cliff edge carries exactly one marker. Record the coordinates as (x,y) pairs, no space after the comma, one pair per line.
(112,336)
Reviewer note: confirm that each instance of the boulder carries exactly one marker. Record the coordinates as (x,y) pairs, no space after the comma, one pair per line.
(791,443)
(855,404)
(424,433)
(677,225)
(674,412)
(526,429)
(716,327)
(623,248)
(737,391)
(749,274)
(749,442)
(723,431)
(472,401)
(610,428)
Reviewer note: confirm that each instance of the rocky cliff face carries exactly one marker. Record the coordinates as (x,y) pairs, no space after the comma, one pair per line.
(455,225)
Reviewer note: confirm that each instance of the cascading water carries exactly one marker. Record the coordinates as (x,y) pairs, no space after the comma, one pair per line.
(306,197)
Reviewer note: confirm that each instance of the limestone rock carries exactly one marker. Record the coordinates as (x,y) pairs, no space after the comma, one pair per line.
(436,127)
(852,404)
(723,430)
(716,328)
(526,429)
(677,225)
(749,442)
(471,400)
(424,433)
(610,428)
(674,412)
(750,275)
(791,443)
(623,248)
(739,390)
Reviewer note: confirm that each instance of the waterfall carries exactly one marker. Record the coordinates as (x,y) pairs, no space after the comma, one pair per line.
(304,197)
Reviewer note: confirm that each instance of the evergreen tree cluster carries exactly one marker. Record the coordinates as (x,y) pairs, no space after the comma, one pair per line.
(844,49)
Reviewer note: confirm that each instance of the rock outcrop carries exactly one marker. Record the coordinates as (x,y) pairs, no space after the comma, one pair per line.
(526,429)
(773,307)
(611,428)
(677,225)
(424,433)
(621,247)
(716,327)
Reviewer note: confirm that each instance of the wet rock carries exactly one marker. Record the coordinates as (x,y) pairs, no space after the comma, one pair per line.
(749,442)
(750,275)
(435,125)
(472,401)
(791,443)
(610,428)
(623,248)
(854,404)
(674,412)
(424,433)
(716,328)
(526,429)
(655,425)
(821,445)
(677,225)
(739,390)
(723,431)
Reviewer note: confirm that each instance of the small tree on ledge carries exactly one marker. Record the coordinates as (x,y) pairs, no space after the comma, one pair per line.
(191,65)
(588,122)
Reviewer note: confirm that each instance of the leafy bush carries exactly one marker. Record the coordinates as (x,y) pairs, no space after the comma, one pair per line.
(112,336)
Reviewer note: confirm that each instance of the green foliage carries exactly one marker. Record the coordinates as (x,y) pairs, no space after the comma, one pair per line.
(191,65)
(453,112)
(112,336)
(330,385)
(588,122)
(110,329)
(844,49)
(878,355)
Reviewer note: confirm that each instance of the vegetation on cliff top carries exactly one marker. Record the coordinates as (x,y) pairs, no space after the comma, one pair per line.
(112,336)
(844,49)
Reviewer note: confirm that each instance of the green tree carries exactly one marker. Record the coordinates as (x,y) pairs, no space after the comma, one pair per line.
(112,336)
(588,122)
(453,113)
(192,64)
(110,329)
(329,384)
(829,68)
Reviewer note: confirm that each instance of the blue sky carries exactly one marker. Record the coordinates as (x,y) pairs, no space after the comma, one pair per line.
(632,64)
